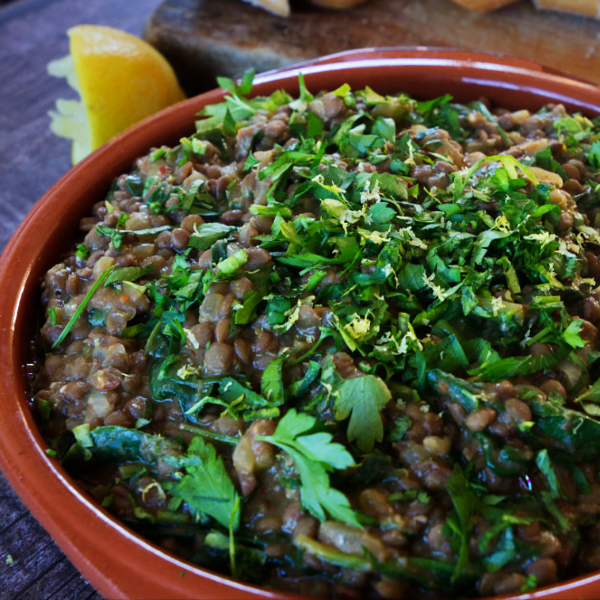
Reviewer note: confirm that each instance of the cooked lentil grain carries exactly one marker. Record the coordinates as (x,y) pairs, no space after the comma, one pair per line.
(358,333)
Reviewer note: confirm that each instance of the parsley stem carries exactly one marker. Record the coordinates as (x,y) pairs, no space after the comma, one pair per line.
(173,518)
(210,435)
(307,354)
(356,562)
(78,312)
(234,517)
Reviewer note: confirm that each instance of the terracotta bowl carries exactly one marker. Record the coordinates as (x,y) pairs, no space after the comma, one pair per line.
(119,563)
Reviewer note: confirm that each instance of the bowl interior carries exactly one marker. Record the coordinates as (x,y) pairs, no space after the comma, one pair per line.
(94,541)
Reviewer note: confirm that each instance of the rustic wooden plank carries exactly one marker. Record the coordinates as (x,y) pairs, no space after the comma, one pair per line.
(12,511)
(93,596)
(39,569)
(75,589)
(51,583)
(5,489)
(31,551)
(58,582)
(32,32)
(11,507)
(202,38)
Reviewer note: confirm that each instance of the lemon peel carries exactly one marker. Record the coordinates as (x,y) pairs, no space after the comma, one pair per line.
(120,79)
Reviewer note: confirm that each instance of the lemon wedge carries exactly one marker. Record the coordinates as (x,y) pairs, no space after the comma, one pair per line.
(120,79)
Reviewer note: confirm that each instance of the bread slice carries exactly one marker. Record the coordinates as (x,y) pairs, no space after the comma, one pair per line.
(277,7)
(589,8)
(485,5)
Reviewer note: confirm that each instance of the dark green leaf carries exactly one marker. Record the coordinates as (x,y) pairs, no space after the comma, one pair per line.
(134,184)
(594,155)
(545,466)
(314,455)
(206,487)
(246,312)
(206,234)
(401,426)
(465,501)
(127,274)
(271,383)
(362,398)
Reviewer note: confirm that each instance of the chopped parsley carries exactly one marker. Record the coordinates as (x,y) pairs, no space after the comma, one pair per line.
(315,455)
(206,486)
(340,336)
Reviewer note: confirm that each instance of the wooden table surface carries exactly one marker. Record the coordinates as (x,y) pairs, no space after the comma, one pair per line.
(32,32)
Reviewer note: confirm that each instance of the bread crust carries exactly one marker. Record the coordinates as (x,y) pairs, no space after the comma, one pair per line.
(277,7)
(484,5)
(337,4)
(589,8)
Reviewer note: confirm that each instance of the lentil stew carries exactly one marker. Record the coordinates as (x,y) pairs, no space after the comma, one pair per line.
(342,346)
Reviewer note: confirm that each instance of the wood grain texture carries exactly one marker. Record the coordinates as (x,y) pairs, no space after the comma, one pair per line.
(32,32)
(205,38)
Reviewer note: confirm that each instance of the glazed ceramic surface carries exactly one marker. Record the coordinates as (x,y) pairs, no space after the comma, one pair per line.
(119,563)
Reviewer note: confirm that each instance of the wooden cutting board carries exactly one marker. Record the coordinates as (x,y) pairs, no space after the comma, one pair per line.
(205,38)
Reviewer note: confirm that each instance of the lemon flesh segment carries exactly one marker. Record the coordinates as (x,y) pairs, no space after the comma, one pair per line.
(121,80)
(69,120)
